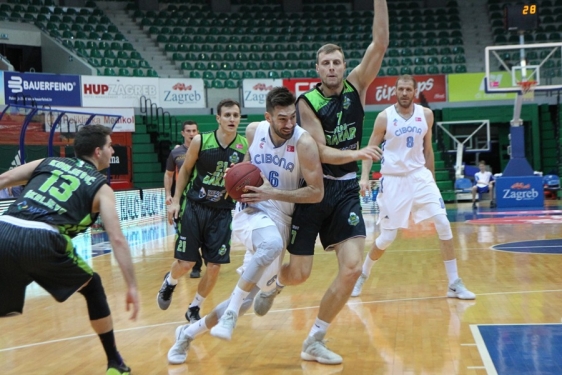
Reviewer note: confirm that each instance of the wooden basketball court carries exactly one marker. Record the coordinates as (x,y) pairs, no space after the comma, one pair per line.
(401,324)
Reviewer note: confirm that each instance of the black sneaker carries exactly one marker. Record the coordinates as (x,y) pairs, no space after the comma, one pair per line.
(493,204)
(192,314)
(195,274)
(164,297)
(474,206)
(114,368)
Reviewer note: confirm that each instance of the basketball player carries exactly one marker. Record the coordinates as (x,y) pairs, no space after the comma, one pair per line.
(174,163)
(408,182)
(333,114)
(62,198)
(484,183)
(205,208)
(285,153)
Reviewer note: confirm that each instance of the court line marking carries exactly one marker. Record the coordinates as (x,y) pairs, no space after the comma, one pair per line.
(521,252)
(272,311)
(483,350)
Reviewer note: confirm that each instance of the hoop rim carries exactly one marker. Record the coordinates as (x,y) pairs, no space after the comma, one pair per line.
(527,86)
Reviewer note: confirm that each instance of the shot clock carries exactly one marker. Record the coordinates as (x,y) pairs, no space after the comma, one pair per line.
(521,17)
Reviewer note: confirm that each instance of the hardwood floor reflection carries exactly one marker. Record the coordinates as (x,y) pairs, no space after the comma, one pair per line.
(401,324)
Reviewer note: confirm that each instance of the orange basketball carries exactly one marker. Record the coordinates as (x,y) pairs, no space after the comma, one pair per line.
(239,176)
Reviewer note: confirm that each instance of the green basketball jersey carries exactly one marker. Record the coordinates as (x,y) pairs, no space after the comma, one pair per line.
(342,120)
(61,193)
(206,185)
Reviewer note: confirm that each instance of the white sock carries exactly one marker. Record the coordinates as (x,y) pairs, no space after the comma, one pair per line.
(197,301)
(197,328)
(171,281)
(319,326)
(367,265)
(451,268)
(236,299)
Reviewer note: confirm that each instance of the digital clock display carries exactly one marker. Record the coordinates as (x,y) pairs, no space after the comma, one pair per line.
(521,17)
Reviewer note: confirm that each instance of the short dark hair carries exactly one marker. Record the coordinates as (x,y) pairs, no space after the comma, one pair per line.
(278,96)
(407,77)
(329,48)
(189,122)
(482,162)
(227,103)
(88,138)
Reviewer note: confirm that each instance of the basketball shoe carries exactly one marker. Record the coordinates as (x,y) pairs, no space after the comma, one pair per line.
(225,326)
(178,352)
(264,301)
(114,368)
(192,314)
(458,290)
(314,349)
(359,285)
(164,297)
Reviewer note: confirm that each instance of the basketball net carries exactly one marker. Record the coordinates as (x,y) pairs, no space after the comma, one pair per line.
(528,90)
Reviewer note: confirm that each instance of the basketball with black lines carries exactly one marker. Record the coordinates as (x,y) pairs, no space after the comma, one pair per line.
(239,176)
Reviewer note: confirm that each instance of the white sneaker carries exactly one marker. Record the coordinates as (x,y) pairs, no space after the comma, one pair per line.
(225,326)
(178,352)
(359,285)
(458,290)
(314,349)
(264,301)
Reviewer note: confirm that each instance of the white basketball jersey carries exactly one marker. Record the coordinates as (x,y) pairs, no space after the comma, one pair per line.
(280,165)
(403,142)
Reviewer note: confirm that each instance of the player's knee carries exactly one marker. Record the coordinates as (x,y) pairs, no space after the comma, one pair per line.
(184,265)
(443,227)
(268,250)
(213,269)
(386,238)
(96,300)
(298,275)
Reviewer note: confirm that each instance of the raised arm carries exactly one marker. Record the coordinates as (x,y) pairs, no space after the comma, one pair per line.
(427,142)
(330,155)
(364,73)
(105,202)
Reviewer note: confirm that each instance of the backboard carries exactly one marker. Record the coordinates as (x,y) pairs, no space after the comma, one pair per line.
(507,66)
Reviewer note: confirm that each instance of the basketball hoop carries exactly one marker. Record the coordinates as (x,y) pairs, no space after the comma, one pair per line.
(527,89)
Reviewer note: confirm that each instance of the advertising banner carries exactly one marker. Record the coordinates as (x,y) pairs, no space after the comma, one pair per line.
(382,90)
(470,87)
(522,191)
(182,93)
(44,89)
(300,85)
(79,116)
(255,90)
(119,164)
(99,91)
(431,87)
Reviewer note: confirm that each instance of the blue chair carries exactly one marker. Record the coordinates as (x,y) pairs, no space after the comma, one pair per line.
(463,185)
(463,188)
